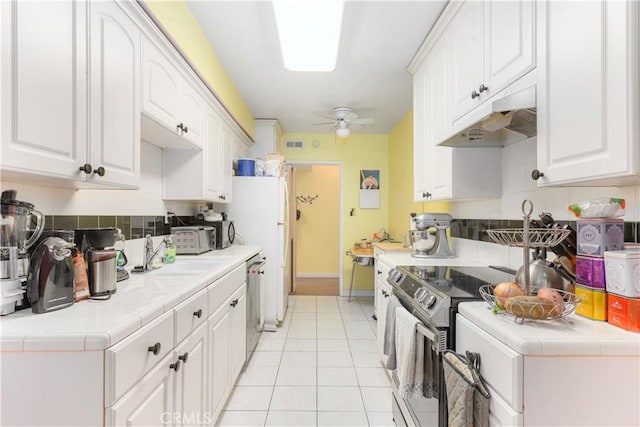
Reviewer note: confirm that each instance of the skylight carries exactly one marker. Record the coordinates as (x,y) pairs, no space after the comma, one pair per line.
(309,32)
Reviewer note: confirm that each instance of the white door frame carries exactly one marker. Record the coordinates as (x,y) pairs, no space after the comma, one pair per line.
(340,168)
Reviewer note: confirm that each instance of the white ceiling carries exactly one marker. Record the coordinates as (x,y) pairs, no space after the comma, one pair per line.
(377,42)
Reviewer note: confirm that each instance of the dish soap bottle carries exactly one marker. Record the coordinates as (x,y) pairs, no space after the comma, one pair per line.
(170,251)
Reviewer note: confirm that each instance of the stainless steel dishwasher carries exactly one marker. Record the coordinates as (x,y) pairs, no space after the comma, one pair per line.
(255,278)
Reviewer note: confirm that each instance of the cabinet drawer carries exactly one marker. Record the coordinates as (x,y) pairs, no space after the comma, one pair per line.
(501,367)
(190,314)
(130,359)
(221,289)
(500,414)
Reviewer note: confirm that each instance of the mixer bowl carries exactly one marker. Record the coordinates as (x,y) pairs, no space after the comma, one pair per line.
(423,240)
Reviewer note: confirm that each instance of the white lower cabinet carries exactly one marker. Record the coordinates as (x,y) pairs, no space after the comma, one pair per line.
(191,368)
(227,341)
(552,389)
(220,376)
(194,377)
(149,403)
(382,293)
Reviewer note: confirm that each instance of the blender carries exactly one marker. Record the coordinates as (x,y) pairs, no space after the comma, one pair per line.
(15,239)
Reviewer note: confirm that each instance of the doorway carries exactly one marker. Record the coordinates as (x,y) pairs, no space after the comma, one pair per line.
(316,249)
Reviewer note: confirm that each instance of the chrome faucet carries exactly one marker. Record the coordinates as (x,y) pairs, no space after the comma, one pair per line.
(150,253)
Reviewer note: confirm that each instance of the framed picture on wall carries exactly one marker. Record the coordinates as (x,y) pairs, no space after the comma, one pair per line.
(369,188)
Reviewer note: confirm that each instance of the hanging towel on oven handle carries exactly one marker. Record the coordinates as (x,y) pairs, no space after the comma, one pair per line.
(467,394)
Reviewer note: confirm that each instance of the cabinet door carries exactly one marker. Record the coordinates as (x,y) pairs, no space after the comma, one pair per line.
(213,162)
(44,87)
(587,91)
(226,165)
(220,376)
(420,189)
(149,402)
(238,325)
(466,57)
(509,43)
(383,292)
(192,113)
(161,87)
(439,167)
(191,379)
(114,96)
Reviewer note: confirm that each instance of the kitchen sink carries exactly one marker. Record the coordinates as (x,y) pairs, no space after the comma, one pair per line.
(190,267)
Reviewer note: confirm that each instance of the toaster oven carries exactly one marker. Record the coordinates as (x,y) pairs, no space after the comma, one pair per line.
(194,240)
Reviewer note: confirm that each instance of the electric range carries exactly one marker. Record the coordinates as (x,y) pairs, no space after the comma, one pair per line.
(432,294)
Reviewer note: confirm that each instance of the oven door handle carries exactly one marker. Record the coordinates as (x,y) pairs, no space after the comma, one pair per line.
(432,335)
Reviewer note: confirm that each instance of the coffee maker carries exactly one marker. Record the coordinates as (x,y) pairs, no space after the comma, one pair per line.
(100,256)
(17,235)
(50,282)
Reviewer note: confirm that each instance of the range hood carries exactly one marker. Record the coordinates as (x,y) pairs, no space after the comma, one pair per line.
(511,118)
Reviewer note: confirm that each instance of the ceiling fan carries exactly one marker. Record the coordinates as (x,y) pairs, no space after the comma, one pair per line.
(344,119)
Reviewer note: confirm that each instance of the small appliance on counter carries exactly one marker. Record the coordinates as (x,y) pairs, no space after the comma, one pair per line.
(194,240)
(425,242)
(225,233)
(50,281)
(16,237)
(97,247)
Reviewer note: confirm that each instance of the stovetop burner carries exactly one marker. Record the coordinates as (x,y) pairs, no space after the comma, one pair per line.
(433,290)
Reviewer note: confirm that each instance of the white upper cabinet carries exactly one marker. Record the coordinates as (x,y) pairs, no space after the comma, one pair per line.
(466,54)
(444,173)
(208,171)
(46,130)
(174,110)
(492,45)
(44,120)
(509,42)
(114,95)
(588,100)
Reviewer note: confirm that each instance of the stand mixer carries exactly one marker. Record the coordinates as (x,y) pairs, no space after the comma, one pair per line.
(428,244)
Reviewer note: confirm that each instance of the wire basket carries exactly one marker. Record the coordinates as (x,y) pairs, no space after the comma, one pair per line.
(531,311)
(536,238)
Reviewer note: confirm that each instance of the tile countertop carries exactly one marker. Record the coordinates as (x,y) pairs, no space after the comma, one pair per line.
(391,246)
(96,325)
(581,337)
(395,259)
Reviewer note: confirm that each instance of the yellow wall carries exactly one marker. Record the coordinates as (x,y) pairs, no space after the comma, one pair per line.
(319,225)
(355,153)
(182,27)
(401,180)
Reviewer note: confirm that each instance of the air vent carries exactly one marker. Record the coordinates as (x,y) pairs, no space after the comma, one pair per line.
(294,144)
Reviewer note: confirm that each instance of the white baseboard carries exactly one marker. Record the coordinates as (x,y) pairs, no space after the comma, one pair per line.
(357,293)
(317,276)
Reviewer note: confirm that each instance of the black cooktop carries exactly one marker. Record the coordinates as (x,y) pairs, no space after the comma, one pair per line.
(454,282)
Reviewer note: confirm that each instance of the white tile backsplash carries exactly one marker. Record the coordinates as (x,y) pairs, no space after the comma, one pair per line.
(518,161)
(147,200)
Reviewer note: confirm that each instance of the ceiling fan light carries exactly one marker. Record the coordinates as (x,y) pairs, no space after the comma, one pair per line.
(309,33)
(343,132)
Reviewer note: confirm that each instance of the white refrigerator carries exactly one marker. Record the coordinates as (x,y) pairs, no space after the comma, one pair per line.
(260,211)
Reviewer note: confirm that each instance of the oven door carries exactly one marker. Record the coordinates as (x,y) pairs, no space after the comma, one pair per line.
(425,411)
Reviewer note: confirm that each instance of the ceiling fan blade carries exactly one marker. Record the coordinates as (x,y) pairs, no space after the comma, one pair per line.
(326,117)
(350,116)
(363,121)
(327,123)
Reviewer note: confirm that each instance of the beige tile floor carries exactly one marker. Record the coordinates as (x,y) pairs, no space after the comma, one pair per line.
(319,369)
